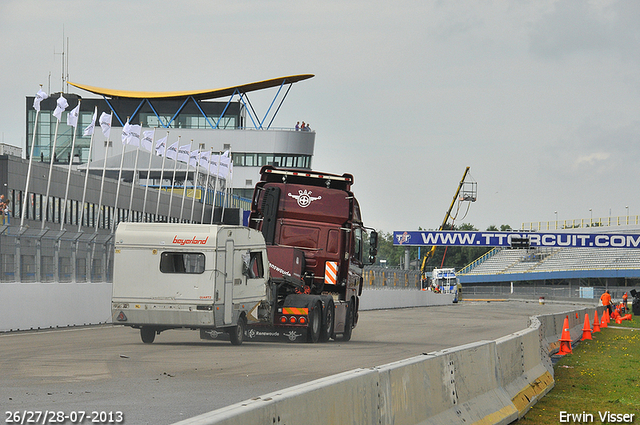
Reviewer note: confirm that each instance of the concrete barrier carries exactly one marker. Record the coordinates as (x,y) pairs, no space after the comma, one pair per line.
(457,385)
(489,382)
(347,398)
(381,298)
(46,305)
(52,305)
(523,373)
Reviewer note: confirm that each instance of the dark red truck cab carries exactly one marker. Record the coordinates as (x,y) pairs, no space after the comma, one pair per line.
(314,233)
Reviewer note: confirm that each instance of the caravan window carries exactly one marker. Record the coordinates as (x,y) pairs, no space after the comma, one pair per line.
(182,262)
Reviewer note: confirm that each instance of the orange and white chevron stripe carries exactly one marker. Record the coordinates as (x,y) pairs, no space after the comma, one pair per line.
(295,310)
(330,272)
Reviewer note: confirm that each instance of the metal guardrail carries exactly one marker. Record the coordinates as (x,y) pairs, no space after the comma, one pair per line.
(382,277)
(623,220)
(50,256)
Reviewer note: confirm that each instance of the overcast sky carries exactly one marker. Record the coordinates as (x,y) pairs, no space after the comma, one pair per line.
(540,98)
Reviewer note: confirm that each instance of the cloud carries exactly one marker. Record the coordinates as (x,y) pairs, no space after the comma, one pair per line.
(592,159)
(574,26)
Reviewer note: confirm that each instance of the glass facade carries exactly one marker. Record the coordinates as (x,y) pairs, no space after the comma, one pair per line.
(161,113)
(241,159)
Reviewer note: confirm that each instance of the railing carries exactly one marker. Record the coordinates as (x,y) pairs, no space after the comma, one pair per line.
(535,291)
(50,256)
(624,220)
(382,277)
(476,263)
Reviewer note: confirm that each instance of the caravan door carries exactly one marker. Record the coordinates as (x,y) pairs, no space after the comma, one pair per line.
(228,282)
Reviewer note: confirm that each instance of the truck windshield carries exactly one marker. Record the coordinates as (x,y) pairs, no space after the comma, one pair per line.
(182,262)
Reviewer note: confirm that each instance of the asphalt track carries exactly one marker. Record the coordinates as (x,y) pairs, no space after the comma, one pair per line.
(107,368)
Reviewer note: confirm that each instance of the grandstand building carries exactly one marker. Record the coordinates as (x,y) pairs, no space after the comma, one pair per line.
(61,216)
(195,117)
(572,267)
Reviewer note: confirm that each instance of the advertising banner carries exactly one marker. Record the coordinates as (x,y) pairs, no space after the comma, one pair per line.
(505,239)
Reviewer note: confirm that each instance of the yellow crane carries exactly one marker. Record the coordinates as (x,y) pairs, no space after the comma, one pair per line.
(469,194)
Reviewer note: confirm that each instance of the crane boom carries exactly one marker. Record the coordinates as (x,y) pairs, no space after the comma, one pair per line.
(430,253)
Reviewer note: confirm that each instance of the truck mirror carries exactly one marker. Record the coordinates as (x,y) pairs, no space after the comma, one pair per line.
(373,246)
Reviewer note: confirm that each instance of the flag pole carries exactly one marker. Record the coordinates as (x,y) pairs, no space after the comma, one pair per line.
(172,181)
(184,182)
(133,178)
(86,176)
(215,191)
(146,186)
(195,186)
(104,169)
(66,192)
(36,101)
(206,186)
(52,156)
(226,188)
(124,148)
(164,157)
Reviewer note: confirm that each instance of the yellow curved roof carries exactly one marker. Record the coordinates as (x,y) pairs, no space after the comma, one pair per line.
(198,94)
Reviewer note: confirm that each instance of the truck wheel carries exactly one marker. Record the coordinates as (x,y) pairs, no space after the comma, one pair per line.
(327,322)
(348,323)
(315,323)
(236,334)
(147,334)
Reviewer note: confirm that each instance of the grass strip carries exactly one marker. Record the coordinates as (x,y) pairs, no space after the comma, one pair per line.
(600,378)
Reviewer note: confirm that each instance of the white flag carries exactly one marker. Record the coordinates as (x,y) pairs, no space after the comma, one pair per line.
(204,160)
(105,124)
(147,140)
(134,135)
(213,164)
(125,132)
(193,158)
(172,151)
(40,96)
(161,145)
(88,131)
(62,104)
(72,118)
(225,160)
(183,153)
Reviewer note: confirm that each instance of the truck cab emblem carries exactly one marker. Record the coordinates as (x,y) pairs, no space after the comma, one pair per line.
(304,198)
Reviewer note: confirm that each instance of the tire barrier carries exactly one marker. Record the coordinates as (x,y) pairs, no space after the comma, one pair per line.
(490,382)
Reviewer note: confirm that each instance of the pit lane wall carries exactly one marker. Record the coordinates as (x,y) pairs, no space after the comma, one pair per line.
(488,382)
(26,306)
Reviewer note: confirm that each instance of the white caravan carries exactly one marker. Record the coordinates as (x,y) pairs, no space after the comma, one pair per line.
(208,277)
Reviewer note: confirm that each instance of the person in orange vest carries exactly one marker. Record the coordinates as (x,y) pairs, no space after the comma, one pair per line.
(625,297)
(606,300)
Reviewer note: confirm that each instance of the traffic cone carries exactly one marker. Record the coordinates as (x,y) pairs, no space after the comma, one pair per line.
(608,317)
(565,339)
(615,314)
(596,322)
(618,320)
(603,322)
(586,330)
(627,317)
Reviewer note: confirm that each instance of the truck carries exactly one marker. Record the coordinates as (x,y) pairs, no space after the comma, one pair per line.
(293,274)
(446,281)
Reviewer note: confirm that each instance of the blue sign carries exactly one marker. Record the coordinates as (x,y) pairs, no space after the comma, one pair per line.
(536,239)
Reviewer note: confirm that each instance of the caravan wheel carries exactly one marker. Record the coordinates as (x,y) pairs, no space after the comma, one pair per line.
(147,334)
(236,334)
